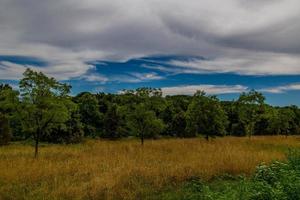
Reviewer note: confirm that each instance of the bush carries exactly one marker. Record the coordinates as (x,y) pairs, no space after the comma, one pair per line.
(277,181)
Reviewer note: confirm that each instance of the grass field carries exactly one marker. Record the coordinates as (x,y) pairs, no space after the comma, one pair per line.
(124,169)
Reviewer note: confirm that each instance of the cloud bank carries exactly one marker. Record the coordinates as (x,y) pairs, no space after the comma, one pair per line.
(239,36)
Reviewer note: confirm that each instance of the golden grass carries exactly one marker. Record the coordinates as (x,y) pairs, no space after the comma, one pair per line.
(124,169)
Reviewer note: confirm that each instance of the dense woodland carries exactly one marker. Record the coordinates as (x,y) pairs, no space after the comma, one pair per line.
(43,110)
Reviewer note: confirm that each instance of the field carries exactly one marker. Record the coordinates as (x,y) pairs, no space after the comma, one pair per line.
(99,169)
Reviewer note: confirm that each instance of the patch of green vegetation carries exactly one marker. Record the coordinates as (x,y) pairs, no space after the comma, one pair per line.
(272,147)
(277,181)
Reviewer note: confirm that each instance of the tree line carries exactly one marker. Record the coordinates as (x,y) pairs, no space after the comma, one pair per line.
(42,109)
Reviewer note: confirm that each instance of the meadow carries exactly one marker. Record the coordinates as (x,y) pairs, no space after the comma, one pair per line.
(101,169)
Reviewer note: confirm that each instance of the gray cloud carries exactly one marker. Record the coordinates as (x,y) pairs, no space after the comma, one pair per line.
(250,37)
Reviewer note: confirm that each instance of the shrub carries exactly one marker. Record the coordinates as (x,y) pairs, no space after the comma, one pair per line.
(278,180)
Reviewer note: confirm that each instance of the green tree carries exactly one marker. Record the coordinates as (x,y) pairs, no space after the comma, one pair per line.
(75,131)
(281,120)
(179,102)
(178,124)
(8,103)
(91,116)
(8,99)
(167,117)
(296,123)
(206,116)
(113,128)
(69,132)
(250,109)
(144,123)
(44,103)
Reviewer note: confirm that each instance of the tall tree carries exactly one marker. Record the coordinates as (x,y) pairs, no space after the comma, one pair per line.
(296,123)
(144,123)
(8,104)
(206,116)
(68,132)
(44,102)
(167,117)
(91,116)
(281,120)
(8,99)
(250,107)
(178,124)
(112,123)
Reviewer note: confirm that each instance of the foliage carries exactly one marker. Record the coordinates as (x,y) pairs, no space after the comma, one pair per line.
(90,113)
(42,109)
(144,123)
(280,120)
(8,102)
(8,99)
(178,124)
(113,123)
(70,132)
(44,104)
(206,116)
(250,107)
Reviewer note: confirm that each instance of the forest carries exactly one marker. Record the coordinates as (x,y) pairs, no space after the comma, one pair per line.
(42,109)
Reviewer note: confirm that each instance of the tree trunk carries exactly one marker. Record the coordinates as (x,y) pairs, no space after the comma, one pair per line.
(142,139)
(249,129)
(37,138)
(207,138)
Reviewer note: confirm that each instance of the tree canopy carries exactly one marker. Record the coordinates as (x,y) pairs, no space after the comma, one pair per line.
(42,109)
(44,104)
(206,116)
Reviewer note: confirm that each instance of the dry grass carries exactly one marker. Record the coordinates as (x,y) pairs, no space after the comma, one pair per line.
(124,169)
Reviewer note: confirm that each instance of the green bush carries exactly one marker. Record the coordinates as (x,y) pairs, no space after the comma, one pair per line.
(276,181)
(279,180)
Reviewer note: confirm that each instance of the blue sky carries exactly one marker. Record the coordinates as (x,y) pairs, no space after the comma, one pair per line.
(179,46)
(158,71)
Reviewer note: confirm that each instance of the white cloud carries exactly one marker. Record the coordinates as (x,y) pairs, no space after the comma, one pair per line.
(99,89)
(209,89)
(11,71)
(61,71)
(95,78)
(135,77)
(281,89)
(248,63)
(146,76)
(247,37)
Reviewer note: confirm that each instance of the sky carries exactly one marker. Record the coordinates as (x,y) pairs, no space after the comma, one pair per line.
(221,47)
